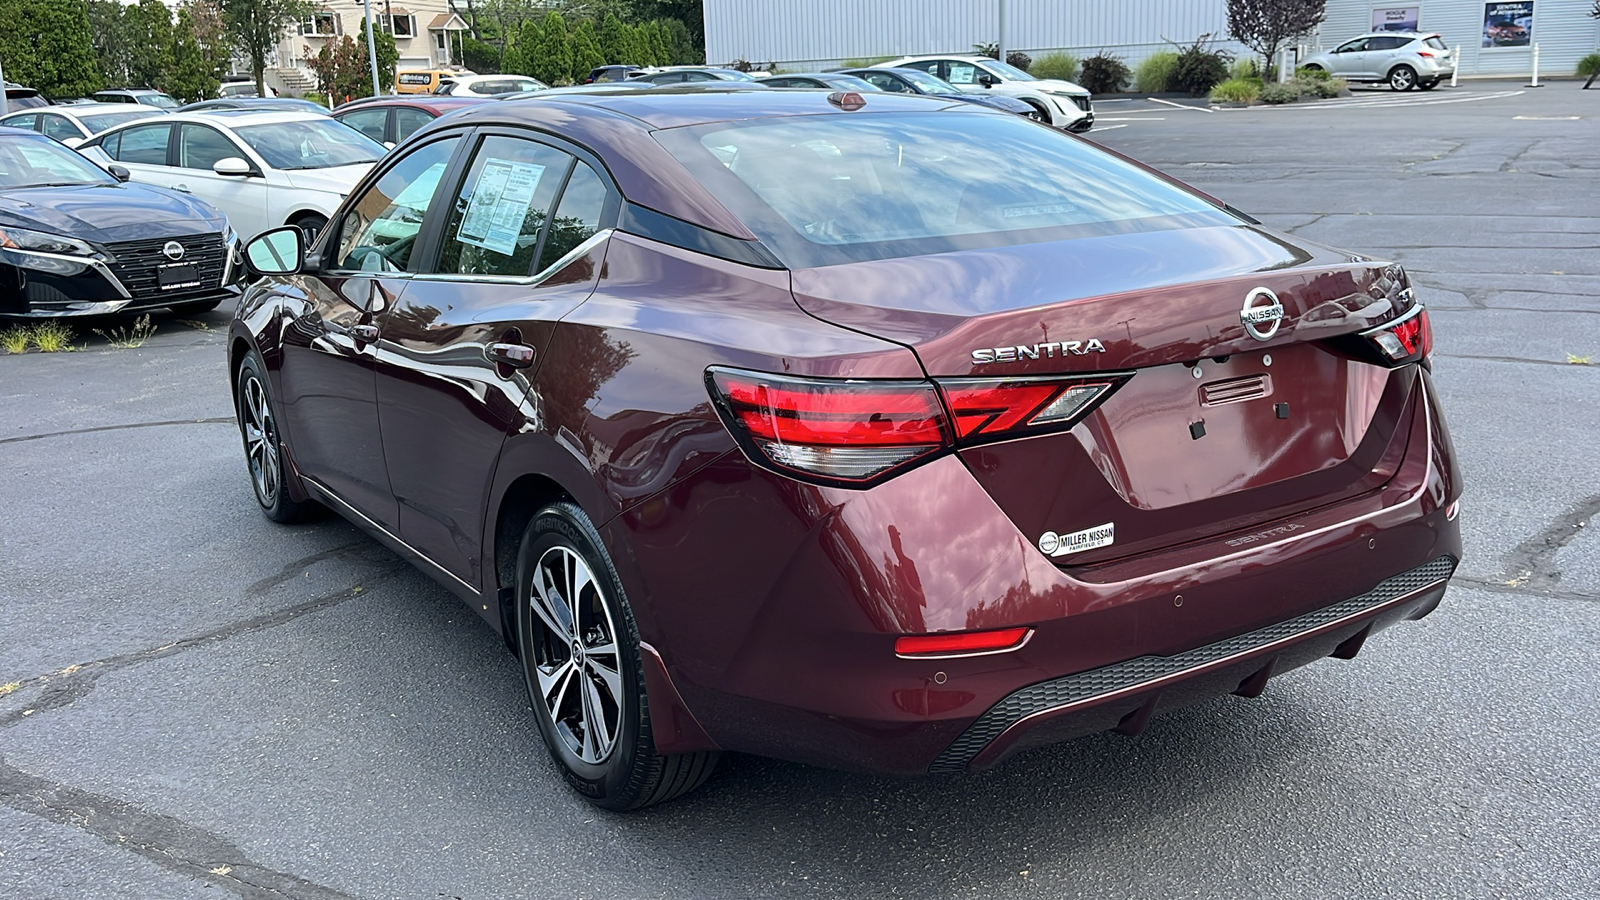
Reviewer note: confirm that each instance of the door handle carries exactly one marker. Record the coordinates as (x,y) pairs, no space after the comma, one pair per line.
(182,187)
(517,356)
(367,333)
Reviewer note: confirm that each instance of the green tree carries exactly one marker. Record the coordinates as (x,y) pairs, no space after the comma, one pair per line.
(683,50)
(210,32)
(481,56)
(192,74)
(388,56)
(109,36)
(256,26)
(614,43)
(46,44)
(342,70)
(149,31)
(518,58)
(549,57)
(585,51)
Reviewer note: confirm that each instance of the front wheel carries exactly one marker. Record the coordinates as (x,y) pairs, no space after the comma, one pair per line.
(1403,78)
(258,427)
(310,225)
(1036,112)
(580,660)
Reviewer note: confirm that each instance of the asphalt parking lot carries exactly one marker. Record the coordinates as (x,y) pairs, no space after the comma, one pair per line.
(209,705)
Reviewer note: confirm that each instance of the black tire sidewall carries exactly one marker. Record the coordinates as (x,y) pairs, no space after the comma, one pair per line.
(282,508)
(611,783)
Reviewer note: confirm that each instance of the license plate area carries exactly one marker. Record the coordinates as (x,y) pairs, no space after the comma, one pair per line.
(170,278)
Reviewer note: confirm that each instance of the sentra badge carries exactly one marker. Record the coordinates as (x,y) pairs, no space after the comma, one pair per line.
(1048,350)
(1052,544)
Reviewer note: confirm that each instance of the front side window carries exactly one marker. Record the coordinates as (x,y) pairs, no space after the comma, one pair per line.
(963,73)
(883,82)
(1354,46)
(380,231)
(200,147)
(142,145)
(495,225)
(825,190)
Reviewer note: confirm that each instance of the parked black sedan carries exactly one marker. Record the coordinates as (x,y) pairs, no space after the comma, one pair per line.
(76,241)
(916,81)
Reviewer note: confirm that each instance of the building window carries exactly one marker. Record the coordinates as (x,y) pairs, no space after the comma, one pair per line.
(401,26)
(321,23)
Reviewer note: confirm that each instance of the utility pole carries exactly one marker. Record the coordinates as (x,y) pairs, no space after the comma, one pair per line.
(1002,42)
(5,105)
(372,51)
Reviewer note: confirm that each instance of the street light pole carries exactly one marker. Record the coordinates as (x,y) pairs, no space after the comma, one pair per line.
(372,50)
(5,105)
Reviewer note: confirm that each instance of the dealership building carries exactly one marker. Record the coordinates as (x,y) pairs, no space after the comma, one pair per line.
(1495,38)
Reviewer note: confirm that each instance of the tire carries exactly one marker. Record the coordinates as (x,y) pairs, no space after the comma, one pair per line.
(1402,78)
(600,738)
(1427,85)
(310,224)
(263,453)
(1039,113)
(193,309)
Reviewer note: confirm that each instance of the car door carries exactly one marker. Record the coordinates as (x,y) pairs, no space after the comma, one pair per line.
(1380,55)
(54,125)
(330,341)
(408,121)
(374,123)
(1349,59)
(964,75)
(460,348)
(242,198)
(143,151)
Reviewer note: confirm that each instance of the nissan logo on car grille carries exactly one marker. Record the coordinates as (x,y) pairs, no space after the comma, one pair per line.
(1269,315)
(172,250)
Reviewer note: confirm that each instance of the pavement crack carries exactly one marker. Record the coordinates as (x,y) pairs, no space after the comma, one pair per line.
(1507,165)
(1501,587)
(214,420)
(68,686)
(168,842)
(1532,562)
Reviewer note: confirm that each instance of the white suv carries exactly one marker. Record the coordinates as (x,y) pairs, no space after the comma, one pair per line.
(1062,103)
(1404,59)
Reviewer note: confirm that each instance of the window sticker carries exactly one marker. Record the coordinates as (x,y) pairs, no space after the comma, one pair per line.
(499,205)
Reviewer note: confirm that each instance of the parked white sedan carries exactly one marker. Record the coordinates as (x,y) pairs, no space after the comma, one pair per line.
(1061,103)
(262,169)
(72,124)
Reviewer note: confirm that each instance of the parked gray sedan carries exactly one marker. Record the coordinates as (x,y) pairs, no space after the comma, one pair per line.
(1404,59)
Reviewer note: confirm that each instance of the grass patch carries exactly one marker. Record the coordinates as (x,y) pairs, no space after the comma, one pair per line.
(8,687)
(16,338)
(1236,90)
(867,62)
(52,337)
(1577,360)
(1056,65)
(196,324)
(1590,64)
(1154,74)
(131,337)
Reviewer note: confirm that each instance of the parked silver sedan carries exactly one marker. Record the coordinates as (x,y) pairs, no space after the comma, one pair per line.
(1403,59)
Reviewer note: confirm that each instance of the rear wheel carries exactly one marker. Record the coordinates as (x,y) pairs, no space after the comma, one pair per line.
(1402,78)
(258,426)
(1427,85)
(580,659)
(310,225)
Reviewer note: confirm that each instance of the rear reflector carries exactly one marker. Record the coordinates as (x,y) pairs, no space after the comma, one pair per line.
(857,433)
(960,643)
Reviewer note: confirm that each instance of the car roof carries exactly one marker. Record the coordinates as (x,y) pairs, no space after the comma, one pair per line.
(964,57)
(131,91)
(1404,34)
(236,118)
(665,107)
(73,110)
(439,103)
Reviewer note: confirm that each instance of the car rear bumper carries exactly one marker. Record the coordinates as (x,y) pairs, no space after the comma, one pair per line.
(788,649)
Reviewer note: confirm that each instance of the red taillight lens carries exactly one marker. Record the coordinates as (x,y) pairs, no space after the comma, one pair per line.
(856,433)
(1406,339)
(987,410)
(850,432)
(959,643)
(1425,53)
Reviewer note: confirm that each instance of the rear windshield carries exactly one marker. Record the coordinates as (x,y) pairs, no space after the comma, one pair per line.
(102,121)
(823,190)
(1436,43)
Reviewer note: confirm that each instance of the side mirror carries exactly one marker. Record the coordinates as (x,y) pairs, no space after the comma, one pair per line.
(119,173)
(281,251)
(985,79)
(233,165)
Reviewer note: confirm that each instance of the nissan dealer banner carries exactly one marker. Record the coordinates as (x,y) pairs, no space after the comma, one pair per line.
(1397,18)
(1508,24)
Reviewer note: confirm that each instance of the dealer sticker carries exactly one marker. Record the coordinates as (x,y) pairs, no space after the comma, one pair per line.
(1052,544)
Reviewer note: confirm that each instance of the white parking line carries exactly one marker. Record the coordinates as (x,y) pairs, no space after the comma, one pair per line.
(1549,118)
(1382,102)
(1181,105)
(1143,119)
(1108,127)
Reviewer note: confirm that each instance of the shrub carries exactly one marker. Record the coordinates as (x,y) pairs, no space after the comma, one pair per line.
(1104,74)
(1015,58)
(1589,65)
(1199,69)
(1236,90)
(1321,88)
(1280,93)
(1063,66)
(867,63)
(1154,75)
(1315,73)
(1245,67)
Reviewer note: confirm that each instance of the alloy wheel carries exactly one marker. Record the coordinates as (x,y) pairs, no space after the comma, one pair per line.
(260,439)
(576,658)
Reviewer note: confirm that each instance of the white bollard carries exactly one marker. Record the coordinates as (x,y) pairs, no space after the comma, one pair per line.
(1455,69)
(1535,82)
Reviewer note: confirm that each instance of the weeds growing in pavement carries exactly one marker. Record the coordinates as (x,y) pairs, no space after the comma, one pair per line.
(130,337)
(196,324)
(16,339)
(52,337)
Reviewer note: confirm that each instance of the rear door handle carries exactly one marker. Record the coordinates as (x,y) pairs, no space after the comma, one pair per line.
(182,187)
(367,333)
(517,356)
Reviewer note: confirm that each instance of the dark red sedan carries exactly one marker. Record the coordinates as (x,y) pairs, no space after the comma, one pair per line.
(391,119)
(868,431)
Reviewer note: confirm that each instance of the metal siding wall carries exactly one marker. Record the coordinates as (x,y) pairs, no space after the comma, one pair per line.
(814,33)
(1561,28)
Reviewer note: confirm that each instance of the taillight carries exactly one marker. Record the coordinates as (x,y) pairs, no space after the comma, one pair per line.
(960,643)
(857,433)
(1425,53)
(1407,339)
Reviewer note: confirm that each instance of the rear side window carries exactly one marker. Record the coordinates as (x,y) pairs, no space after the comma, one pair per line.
(407,121)
(1436,43)
(577,217)
(142,144)
(822,190)
(30,122)
(498,216)
(1386,43)
(59,127)
(369,122)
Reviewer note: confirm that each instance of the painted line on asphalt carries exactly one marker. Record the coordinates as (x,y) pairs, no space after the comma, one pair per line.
(1380,103)
(1549,118)
(1109,127)
(1203,109)
(1132,119)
